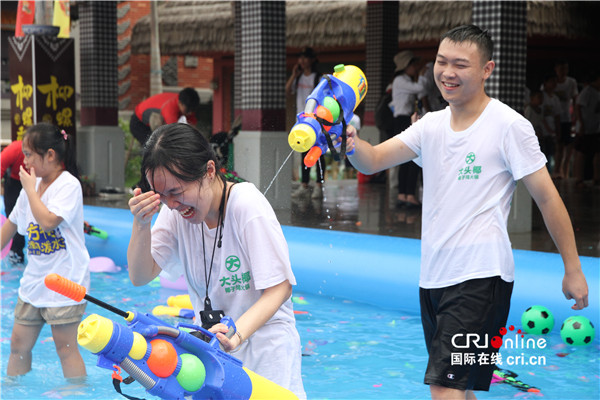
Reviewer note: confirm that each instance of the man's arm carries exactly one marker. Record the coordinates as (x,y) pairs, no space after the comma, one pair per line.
(370,159)
(559,226)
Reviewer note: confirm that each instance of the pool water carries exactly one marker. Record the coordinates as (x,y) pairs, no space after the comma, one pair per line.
(351,351)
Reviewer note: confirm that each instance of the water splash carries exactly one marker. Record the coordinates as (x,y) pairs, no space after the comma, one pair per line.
(277,173)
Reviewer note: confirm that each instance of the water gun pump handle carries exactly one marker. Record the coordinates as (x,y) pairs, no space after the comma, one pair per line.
(76,292)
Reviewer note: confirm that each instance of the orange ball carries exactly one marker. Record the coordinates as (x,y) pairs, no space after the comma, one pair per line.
(325,114)
(163,358)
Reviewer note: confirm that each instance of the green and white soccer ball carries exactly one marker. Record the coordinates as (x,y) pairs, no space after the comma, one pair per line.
(537,320)
(577,331)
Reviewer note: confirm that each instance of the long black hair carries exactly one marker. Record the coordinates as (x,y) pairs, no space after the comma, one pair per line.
(43,136)
(181,150)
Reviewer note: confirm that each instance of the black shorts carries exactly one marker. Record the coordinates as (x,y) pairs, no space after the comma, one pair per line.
(453,319)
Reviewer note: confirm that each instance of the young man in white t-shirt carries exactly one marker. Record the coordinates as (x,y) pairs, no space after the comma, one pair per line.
(472,154)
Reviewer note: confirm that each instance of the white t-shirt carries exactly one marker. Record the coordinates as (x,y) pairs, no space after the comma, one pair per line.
(253,256)
(404,94)
(550,110)
(589,103)
(306,84)
(468,181)
(61,251)
(566,91)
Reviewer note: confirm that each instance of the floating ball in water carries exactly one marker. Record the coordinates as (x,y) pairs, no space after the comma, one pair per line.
(537,320)
(577,331)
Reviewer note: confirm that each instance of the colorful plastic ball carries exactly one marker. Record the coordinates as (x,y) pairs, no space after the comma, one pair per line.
(537,320)
(577,331)
(324,114)
(163,358)
(192,374)
(332,105)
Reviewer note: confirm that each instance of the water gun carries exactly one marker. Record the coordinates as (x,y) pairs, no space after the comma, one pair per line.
(178,306)
(93,231)
(509,377)
(173,311)
(329,108)
(179,362)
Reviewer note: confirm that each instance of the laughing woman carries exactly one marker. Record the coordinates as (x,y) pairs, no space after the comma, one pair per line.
(226,241)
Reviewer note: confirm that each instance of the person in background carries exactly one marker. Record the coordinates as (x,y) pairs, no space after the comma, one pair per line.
(566,91)
(12,160)
(49,211)
(588,137)
(473,153)
(431,97)
(163,108)
(551,122)
(301,82)
(206,227)
(407,85)
(533,112)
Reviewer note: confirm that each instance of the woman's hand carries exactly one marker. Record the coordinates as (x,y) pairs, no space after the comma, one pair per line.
(228,344)
(143,206)
(297,70)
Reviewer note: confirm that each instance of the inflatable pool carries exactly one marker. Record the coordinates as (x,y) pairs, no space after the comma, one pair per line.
(378,270)
(357,316)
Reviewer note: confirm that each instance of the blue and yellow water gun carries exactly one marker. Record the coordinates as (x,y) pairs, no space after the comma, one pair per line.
(329,108)
(170,362)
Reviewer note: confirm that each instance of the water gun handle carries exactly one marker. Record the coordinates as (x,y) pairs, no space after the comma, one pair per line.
(76,292)
(232,329)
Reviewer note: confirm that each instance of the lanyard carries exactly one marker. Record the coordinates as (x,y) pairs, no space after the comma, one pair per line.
(218,234)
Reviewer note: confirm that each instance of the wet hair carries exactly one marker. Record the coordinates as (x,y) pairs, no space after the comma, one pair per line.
(181,150)
(43,136)
(189,98)
(474,34)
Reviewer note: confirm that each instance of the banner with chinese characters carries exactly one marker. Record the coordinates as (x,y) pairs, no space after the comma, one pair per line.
(42,83)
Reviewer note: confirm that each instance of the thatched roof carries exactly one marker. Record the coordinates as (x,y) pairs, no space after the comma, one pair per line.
(204,27)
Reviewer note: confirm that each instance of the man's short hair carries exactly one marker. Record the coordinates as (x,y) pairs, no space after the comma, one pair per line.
(472,33)
(189,98)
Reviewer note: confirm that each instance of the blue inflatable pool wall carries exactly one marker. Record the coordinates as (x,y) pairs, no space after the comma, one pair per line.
(379,270)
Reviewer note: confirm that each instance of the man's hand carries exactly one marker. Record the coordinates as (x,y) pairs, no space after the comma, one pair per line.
(575,287)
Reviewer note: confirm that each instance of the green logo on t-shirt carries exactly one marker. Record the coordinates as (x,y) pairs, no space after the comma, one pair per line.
(232,263)
(470,158)
(469,171)
(235,282)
